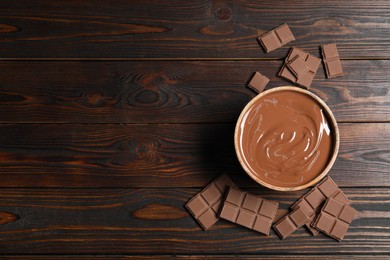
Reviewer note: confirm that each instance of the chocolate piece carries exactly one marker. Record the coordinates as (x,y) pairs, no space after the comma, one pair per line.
(291,222)
(294,51)
(312,201)
(308,226)
(298,66)
(311,61)
(258,82)
(287,74)
(205,205)
(276,38)
(332,61)
(295,71)
(335,218)
(249,210)
(306,79)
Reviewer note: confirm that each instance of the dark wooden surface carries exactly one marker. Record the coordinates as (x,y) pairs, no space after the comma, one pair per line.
(113,114)
(135,221)
(173,91)
(162,155)
(182,29)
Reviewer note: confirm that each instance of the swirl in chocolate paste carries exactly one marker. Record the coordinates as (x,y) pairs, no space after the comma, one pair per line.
(285,138)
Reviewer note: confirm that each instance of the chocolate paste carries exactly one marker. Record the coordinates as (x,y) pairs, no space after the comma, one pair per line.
(284,138)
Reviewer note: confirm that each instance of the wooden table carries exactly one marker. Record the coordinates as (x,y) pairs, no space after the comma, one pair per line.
(115,113)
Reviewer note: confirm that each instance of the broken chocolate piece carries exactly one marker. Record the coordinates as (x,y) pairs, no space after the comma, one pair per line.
(312,201)
(298,66)
(332,61)
(249,210)
(295,71)
(205,205)
(291,222)
(276,38)
(335,218)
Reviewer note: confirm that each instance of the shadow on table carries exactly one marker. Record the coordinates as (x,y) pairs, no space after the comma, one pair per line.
(219,154)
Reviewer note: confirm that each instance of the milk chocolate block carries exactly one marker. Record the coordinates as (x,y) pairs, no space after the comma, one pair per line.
(335,218)
(205,205)
(276,38)
(300,67)
(315,198)
(312,201)
(311,61)
(332,61)
(258,82)
(308,226)
(249,210)
(291,222)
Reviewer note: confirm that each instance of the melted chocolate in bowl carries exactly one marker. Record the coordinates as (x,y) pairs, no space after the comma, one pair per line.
(286,139)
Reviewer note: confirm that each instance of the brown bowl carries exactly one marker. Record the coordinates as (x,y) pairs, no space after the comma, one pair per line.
(334,139)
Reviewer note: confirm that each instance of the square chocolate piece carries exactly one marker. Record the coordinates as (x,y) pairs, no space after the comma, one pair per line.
(276,38)
(306,79)
(298,66)
(313,63)
(249,210)
(335,218)
(291,222)
(333,68)
(205,205)
(258,82)
(287,74)
(329,51)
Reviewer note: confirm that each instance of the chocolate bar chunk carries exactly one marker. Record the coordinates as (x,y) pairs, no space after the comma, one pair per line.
(291,222)
(249,210)
(258,82)
(312,201)
(308,226)
(287,74)
(339,196)
(332,61)
(205,205)
(309,221)
(311,61)
(300,67)
(276,38)
(305,80)
(335,218)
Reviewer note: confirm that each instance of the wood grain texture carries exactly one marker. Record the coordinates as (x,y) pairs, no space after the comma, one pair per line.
(173,92)
(200,28)
(105,221)
(6,217)
(166,155)
(113,114)
(193,257)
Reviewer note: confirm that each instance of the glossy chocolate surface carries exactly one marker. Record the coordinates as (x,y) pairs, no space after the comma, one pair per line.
(284,138)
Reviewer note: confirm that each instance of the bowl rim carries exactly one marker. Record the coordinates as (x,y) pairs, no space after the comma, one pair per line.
(336,138)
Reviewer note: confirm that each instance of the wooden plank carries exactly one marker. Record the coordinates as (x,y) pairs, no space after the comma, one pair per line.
(173,92)
(167,155)
(154,221)
(195,29)
(193,257)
